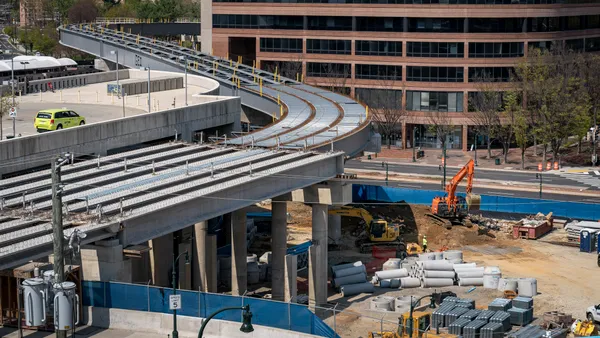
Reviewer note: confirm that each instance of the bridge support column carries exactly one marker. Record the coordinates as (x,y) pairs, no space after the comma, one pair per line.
(161,259)
(104,261)
(278,248)
(317,254)
(239,267)
(205,259)
(334,228)
(291,278)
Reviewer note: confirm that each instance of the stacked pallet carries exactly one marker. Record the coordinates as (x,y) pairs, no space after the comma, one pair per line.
(451,311)
(521,312)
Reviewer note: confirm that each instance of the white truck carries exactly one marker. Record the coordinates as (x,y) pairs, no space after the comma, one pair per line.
(593,313)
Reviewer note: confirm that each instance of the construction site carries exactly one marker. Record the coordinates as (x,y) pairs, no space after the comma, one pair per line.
(530,273)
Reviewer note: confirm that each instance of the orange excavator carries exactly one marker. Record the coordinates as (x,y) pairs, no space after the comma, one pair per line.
(453,207)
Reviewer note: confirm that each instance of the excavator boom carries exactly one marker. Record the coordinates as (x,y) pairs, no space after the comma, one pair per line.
(353,212)
(469,171)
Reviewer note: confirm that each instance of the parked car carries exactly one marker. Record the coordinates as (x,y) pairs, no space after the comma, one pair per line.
(56,119)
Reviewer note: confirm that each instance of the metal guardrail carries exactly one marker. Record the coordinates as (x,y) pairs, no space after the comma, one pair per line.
(127,20)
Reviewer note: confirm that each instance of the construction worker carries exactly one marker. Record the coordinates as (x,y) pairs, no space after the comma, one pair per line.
(424,243)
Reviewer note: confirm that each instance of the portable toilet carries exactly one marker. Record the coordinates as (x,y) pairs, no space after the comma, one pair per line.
(587,240)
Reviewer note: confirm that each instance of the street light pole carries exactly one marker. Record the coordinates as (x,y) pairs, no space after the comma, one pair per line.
(594,131)
(174,281)
(116,53)
(12,84)
(540,177)
(444,159)
(185,58)
(246,319)
(414,143)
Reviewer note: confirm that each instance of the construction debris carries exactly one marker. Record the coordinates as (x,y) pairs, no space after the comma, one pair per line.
(533,227)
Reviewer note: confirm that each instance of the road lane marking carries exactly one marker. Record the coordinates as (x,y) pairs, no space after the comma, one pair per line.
(503,193)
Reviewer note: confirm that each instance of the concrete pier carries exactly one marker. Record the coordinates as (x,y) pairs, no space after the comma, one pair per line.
(161,259)
(334,228)
(205,259)
(278,248)
(317,253)
(291,278)
(239,268)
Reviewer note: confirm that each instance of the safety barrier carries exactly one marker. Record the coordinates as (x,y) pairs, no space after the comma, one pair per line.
(575,210)
(290,316)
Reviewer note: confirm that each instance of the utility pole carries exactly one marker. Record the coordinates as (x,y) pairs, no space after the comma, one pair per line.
(57,228)
(444,164)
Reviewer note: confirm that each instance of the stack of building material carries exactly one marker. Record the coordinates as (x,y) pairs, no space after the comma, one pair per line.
(436,273)
(409,282)
(392,264)
(454,314)
(334,268)
(557,318)
(535,331)
(527,287)
(382,303)
(574,229)
(349,275)
(471,314)
(457,326)
(469,274)
(502,317)
(500,304)
(473,329)
(453,256)
(523,302)
(492,330)
(485,315)
(390,278)
(427,256)
(438,317)
(466,303)
(520,316)
(408,263)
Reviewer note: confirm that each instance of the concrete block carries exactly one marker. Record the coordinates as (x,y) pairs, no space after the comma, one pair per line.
(112,254)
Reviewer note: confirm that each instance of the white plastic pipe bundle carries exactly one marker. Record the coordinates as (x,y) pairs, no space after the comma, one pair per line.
(351,279)
(409,282)
(392,283)
(438,274)
(470,281)
(469,274)
(464,266)
(397,273)
(349,271)
(355,289)
(437,265)
(437,282)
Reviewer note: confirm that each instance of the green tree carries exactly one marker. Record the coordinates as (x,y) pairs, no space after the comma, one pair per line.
(83,11)
(486,103)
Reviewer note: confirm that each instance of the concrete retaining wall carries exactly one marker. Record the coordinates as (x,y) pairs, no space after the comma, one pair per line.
(72,81)
(162,323)
(97,138)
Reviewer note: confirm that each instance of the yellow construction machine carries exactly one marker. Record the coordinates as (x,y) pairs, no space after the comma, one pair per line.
(379,231)
(421,326)
(584,328)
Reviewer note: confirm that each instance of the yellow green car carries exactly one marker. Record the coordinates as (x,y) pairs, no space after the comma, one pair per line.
(56,119)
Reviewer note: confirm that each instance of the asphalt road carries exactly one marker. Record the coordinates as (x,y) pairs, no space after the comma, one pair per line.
(496,175)
(484,191)
(92,113)
(5,46)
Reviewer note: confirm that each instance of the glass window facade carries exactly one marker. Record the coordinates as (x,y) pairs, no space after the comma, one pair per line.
(379,98)
(435,49)
(543,45)
(437,25)
(373,24)
(281,45)
(321,69)
(575,45)
(434,101)
(424,2)
(490,74)
(378,72)
(258,21)
(317,46)
(496,49)
(383,48)
(592,44)
(435,74)
(330,23)
(496,25)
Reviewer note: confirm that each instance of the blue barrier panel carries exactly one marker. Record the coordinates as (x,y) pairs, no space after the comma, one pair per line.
(189,303)
(212,302)
(159,299)
(127,296)
(577,210)
(92,293)
(302,319)
(322,329)
(269,313)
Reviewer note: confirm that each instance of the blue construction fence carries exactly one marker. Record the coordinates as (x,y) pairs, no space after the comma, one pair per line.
(575,210)
(287,316)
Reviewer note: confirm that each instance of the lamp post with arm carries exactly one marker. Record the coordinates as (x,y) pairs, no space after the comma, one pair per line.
(174,275)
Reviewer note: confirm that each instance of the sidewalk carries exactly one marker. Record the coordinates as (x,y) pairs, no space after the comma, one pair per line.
(458,158)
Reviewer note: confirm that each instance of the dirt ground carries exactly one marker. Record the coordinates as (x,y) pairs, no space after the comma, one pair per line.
(566,277)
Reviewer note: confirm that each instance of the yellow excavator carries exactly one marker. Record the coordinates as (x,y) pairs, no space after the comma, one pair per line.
(379,231)
(421,325)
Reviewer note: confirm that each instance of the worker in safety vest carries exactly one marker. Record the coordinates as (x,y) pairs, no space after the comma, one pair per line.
(424,243)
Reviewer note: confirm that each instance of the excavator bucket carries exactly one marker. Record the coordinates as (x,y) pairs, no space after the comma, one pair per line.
(473,201)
